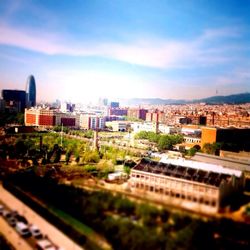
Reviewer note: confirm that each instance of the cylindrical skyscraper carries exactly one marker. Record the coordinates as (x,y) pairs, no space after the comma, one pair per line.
(31,91)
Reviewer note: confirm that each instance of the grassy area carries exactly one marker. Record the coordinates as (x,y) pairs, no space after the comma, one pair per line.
(94,241)
(80,227)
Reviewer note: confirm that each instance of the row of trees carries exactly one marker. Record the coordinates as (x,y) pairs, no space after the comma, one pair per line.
(164,142)
(130,225)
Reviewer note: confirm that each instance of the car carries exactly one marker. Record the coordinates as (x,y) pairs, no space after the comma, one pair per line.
(35,232)
(23,229)
(12,221)
(45,244)
(1,209)
(21,218)
(6,214)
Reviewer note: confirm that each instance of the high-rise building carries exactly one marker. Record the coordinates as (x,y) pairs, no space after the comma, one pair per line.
(114,104)
(14,100)
(31,91)
(137,113)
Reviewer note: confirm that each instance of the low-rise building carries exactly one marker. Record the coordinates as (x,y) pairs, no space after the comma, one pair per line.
(49,117)
(165,129)
(192,185)
(118,125)
(234,139)
(144,126)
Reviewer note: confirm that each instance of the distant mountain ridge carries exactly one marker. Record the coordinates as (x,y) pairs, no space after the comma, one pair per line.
(229,99)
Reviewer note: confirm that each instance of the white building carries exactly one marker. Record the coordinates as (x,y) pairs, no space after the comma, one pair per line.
(118,125)
(165,129)
(143,126)
(92,121)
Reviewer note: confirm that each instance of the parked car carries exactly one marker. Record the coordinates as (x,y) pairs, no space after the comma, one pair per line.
(45,244)
(6,214)
(1,209)
(35,232)
(21,218)
(12,221)
(23,229)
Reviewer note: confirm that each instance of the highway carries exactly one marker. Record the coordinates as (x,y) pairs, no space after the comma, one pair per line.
(55,235)
(12,236)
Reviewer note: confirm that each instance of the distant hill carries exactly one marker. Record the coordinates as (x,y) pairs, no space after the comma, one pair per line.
(149,101)
(230,99)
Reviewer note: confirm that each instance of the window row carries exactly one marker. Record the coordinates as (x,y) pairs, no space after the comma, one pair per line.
(176,194)
(175,184)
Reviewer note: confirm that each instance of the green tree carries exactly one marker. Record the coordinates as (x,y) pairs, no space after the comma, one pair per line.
(91,156)
(212,149)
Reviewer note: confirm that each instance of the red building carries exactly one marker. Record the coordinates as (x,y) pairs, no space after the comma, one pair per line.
(137,113)
(49,118)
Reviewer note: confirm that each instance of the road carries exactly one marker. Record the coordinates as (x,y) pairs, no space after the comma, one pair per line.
(12,236)
(46,228)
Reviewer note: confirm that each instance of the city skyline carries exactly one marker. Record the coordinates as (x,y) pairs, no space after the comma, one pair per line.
(120,49)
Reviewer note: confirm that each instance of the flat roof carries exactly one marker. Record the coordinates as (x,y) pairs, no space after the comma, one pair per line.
(227,162)
(203,166)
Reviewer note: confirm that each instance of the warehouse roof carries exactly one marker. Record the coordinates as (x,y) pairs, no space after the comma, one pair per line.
(189,170)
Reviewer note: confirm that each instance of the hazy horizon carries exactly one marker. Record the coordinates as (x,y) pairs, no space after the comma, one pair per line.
(126,49)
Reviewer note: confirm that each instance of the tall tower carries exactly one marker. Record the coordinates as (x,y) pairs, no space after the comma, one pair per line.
(31,91)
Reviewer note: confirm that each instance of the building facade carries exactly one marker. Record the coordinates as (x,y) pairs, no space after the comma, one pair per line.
(118,125)
(199,187)
(234,139)
(117,112)
(49,118)
(14,100)
(92,121)
(31,91)
(137,113)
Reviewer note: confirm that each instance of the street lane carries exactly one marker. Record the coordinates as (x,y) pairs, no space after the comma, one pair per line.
(12,236)
(46,228)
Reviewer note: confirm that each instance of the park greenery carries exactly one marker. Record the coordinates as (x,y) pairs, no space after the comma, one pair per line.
(163,141)
(127,224)
(68,151)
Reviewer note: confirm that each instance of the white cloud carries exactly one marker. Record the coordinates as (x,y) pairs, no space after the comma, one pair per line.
(158,53)
(78,85)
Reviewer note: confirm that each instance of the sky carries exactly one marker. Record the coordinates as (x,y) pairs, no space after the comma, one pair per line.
(82,50)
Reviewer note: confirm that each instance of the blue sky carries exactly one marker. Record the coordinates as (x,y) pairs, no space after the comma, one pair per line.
(82,50)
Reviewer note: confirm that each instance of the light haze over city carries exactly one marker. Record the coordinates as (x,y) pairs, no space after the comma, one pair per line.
(80,50)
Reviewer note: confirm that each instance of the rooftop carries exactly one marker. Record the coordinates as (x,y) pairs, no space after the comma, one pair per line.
(201,172)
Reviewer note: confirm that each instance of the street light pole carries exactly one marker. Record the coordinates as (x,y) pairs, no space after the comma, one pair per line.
(61,133)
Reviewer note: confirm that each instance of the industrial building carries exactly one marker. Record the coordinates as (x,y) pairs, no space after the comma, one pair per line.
(238,163)
(188,184)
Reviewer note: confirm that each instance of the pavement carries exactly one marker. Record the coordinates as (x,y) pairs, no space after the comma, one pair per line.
(54,234)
